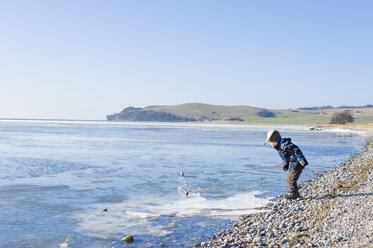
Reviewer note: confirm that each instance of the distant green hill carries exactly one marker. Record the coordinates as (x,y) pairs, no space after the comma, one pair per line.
(240,113)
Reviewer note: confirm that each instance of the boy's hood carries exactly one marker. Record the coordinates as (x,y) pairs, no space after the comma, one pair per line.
(284,141)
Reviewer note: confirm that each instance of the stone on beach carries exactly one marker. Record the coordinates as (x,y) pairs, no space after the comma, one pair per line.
(128,239)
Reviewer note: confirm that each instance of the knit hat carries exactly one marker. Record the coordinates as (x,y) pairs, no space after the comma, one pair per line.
(273,136)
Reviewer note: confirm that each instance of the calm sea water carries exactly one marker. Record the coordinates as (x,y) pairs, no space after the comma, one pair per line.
(57,177)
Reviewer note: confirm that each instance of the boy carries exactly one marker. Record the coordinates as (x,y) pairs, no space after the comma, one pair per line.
(292,157)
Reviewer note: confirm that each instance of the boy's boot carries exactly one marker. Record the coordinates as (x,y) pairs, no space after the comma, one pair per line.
(293,195)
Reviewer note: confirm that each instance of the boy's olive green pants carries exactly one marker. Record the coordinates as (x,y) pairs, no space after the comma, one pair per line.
(293,176)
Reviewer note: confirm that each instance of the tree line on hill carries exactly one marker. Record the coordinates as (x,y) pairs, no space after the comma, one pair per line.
(331,107)
(140,114)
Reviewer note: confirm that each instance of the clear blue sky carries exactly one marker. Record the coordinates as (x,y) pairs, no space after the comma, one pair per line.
(85,59)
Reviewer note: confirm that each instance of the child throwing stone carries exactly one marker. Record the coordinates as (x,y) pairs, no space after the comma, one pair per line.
(293,160)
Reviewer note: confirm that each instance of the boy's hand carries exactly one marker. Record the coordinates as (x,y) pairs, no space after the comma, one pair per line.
(302,163)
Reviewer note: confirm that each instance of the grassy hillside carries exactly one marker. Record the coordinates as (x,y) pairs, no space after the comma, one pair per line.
(249,114)
(211,112)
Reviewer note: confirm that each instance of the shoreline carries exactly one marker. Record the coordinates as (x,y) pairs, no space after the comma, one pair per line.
(336,210)
(366,128)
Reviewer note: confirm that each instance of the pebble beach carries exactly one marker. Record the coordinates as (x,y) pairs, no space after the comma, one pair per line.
(335,210)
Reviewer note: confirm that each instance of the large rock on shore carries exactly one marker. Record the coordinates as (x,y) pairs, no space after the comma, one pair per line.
(128,239)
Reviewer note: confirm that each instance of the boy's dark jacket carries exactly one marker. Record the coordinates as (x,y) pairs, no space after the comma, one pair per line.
(290,154)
